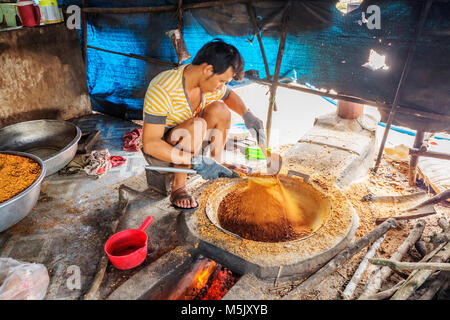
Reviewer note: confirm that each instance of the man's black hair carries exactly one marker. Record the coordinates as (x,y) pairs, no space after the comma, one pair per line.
(221,56)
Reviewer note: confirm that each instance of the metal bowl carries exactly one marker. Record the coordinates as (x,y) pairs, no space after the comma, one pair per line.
(54,141)
(18,207)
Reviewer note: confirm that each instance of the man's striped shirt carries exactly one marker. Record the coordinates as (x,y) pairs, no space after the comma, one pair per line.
(166,102)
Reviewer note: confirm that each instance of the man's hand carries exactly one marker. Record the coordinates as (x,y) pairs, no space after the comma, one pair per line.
(255,126)
(210,169)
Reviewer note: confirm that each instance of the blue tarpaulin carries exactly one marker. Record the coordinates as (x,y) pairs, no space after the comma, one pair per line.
(324,47)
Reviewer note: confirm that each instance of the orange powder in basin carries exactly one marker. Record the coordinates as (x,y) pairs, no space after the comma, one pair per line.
(16,174)
(264,210)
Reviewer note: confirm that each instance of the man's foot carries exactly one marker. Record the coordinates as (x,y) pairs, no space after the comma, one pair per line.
(182,199)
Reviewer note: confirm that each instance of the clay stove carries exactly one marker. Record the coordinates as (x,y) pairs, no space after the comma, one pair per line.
(334,228)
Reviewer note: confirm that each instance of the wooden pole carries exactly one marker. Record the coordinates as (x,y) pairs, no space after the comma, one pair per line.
(414,159)
(135,56)
(406,67)
(130,10)
(316,92)
(84,33)
(431,154)
(276,75)
(180,16)
(252,15)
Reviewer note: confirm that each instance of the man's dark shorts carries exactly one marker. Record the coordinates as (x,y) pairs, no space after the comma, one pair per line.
(152,161)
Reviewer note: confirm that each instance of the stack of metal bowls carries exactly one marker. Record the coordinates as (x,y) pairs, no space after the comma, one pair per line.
(51,143)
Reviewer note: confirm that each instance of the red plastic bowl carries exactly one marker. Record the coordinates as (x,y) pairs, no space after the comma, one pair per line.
(128,248)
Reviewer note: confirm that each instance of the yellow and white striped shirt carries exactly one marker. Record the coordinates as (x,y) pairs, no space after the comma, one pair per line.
(166,103)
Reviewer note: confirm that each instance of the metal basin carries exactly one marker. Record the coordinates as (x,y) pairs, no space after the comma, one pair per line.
(54,141)
(18,207)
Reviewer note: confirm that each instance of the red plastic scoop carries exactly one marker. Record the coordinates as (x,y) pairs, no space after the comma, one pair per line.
(128,248)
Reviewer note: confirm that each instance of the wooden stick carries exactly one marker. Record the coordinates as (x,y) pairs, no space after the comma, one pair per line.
(349,291)
(101,268)
(435,286)
(444,195)
(386,293)
(401,266)
(431,154)
(443,223)
(417,279)
(420,213)
(396,199)
(375,282)
(423,247)
(340,259)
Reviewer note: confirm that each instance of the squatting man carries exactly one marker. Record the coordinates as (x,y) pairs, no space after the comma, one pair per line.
(189,107)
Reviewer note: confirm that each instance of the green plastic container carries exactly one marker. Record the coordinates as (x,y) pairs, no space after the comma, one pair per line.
(255,153)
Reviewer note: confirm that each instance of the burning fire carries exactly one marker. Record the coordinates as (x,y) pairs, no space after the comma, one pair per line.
(202,278)
(207,280)
(220,285)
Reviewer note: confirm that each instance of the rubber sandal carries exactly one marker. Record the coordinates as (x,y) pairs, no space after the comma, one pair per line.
(179,194)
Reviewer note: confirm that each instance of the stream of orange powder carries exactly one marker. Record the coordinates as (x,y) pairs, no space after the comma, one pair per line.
(16,174)
(264,210)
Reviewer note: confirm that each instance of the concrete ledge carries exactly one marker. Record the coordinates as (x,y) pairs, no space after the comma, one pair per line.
(339,150)
(153,277)
(248,288)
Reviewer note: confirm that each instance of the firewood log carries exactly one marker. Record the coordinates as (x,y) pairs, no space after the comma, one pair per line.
(398,265)
(317,278)
(418,278)
(375,282)
(347,294)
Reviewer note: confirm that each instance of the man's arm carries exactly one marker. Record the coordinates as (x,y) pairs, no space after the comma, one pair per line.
(154,145)
(254,124)
(235,103)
